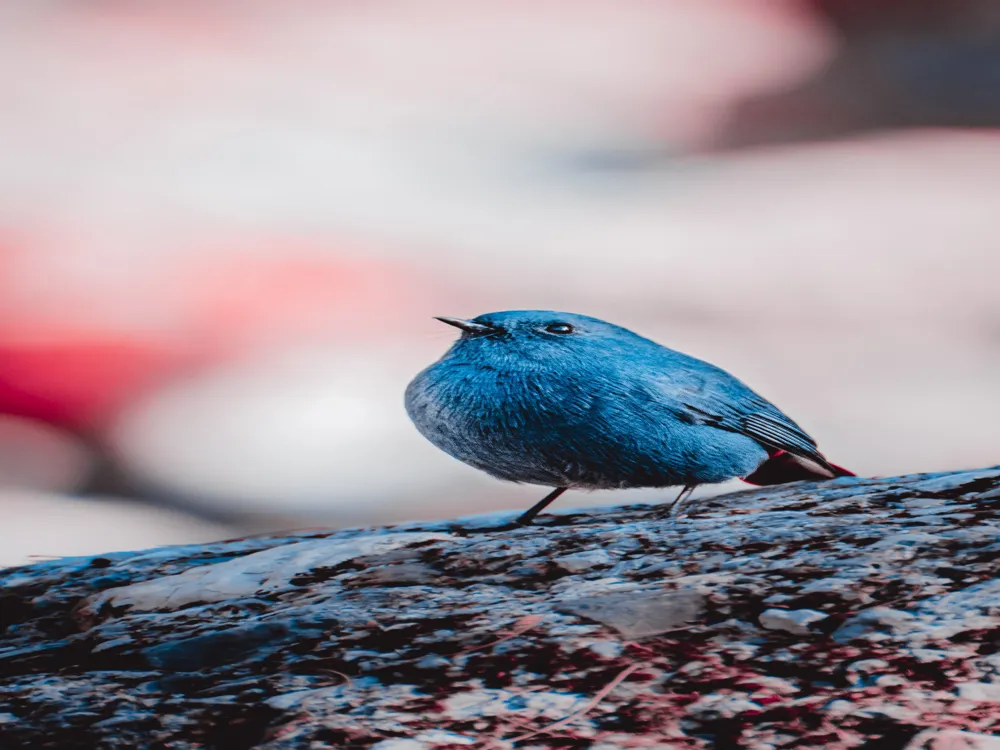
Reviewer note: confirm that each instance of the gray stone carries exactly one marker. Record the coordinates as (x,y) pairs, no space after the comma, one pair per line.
(791,620)
(451,633)
(637,614)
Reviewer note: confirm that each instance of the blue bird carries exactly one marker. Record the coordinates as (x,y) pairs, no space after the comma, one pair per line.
(568,401)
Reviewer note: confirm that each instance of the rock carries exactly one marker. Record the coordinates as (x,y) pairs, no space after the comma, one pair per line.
(849,613)
(728,706)
(425,740)
(581,561)
(639,614)
(951,739)
(240,643)
(874,624)
(268,570)
(980,691)
(791,620)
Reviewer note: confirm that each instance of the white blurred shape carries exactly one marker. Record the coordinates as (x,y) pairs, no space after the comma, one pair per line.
(308,431)
(315,112)
(37,526)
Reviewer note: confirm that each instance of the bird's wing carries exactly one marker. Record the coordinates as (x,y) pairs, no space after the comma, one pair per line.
(703,394)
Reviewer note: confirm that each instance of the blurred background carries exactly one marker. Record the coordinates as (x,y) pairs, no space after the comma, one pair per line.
(225,224)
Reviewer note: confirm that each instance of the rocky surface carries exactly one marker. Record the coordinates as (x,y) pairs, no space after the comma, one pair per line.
(849,614)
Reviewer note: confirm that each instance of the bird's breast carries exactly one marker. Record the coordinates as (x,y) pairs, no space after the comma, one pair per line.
(475,405)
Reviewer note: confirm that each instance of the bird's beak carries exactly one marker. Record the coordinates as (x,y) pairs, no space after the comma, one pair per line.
(468,326)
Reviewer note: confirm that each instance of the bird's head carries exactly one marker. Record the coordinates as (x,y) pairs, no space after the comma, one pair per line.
(537,335)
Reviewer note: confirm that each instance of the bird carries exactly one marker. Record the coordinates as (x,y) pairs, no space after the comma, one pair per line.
(568,401)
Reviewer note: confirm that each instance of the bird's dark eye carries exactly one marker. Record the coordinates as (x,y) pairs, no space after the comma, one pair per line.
(559,328)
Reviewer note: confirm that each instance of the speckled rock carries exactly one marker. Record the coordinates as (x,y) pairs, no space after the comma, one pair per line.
(847,614)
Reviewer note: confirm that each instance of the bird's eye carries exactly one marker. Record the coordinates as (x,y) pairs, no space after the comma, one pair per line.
(559,328)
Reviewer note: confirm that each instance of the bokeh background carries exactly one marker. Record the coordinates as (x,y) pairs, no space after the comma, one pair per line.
(225,224)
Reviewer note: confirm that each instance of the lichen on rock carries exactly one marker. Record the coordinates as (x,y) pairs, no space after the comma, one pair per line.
(851,613)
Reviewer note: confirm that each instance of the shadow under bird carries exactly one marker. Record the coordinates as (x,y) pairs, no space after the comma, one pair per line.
(568,401)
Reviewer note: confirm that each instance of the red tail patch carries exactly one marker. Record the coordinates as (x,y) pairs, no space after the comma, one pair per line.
(782,467)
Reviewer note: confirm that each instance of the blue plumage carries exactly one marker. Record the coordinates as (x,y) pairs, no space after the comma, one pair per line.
(569,401)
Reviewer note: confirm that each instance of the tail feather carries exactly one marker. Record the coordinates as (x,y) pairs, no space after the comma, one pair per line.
(783,467)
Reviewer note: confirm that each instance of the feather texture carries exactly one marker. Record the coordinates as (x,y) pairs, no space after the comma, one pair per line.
(711,396)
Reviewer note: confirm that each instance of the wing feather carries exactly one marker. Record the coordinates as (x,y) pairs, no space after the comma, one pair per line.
(704,394)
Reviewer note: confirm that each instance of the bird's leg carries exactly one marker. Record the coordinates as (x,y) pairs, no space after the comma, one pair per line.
(528,516)
(684,494)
